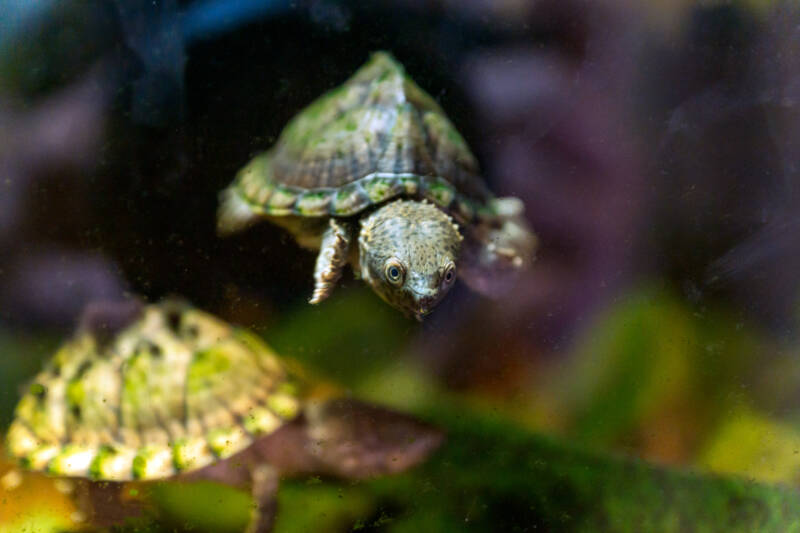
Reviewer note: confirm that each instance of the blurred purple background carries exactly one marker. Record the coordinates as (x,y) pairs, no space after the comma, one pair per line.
(651,145)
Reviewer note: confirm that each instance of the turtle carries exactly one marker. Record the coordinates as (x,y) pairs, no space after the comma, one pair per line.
(167,391)
(374,174)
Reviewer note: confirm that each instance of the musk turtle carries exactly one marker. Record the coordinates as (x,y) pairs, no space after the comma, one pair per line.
(377,162)
(169,391)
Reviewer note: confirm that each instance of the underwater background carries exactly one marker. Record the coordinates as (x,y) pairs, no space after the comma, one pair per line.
(644,375)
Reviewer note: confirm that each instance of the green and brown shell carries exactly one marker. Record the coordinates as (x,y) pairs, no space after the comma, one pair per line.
(174,391)
(376,137)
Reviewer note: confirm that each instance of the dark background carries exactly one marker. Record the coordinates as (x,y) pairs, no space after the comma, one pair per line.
(654,146)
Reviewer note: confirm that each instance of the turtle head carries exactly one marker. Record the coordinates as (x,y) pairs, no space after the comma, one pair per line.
(407,253)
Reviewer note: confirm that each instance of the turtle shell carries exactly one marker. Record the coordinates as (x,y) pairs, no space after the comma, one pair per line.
(376,137)
(174,391)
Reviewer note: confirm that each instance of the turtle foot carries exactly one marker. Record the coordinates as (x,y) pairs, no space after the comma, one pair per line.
(495,255)
(333,255)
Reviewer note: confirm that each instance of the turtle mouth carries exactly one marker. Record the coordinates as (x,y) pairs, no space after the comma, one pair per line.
(421,313)
(423,306)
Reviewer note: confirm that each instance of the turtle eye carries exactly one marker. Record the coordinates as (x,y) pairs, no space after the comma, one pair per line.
(449,274)
(394,272)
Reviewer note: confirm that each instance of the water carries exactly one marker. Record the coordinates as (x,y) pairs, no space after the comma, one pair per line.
(653,149)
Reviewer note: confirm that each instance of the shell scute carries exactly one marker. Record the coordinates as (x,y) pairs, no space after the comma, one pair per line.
(314,203)
(378,123)
(72,460)
(40,457)
(410,185)
(381,188)
(346,147)
(225,442)
(191,453)
(153,462)
(171,392)
(284,405)
(349,199)
(464,210)
(282,200)
(261,420)
(441,193)
(112,463)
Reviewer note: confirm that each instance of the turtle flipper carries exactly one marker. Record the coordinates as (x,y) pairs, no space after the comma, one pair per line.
(105,504)
(265,480)
(351,439)
(496,251)
(333,255)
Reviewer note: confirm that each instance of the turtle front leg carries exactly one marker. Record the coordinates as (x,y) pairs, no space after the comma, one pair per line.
(264,479)
(497,251)
(333,255)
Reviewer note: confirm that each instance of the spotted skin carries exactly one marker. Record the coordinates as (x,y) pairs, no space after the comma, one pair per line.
(420,241)
(172,392)
(374,140)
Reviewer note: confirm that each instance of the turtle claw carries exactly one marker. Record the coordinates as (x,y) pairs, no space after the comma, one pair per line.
(318,296)
(508,206)
(333,254)
(506,254)
(265,481)
(324,287)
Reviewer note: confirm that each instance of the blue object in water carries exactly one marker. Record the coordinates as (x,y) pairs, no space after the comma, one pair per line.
(207,18)
(21,17)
